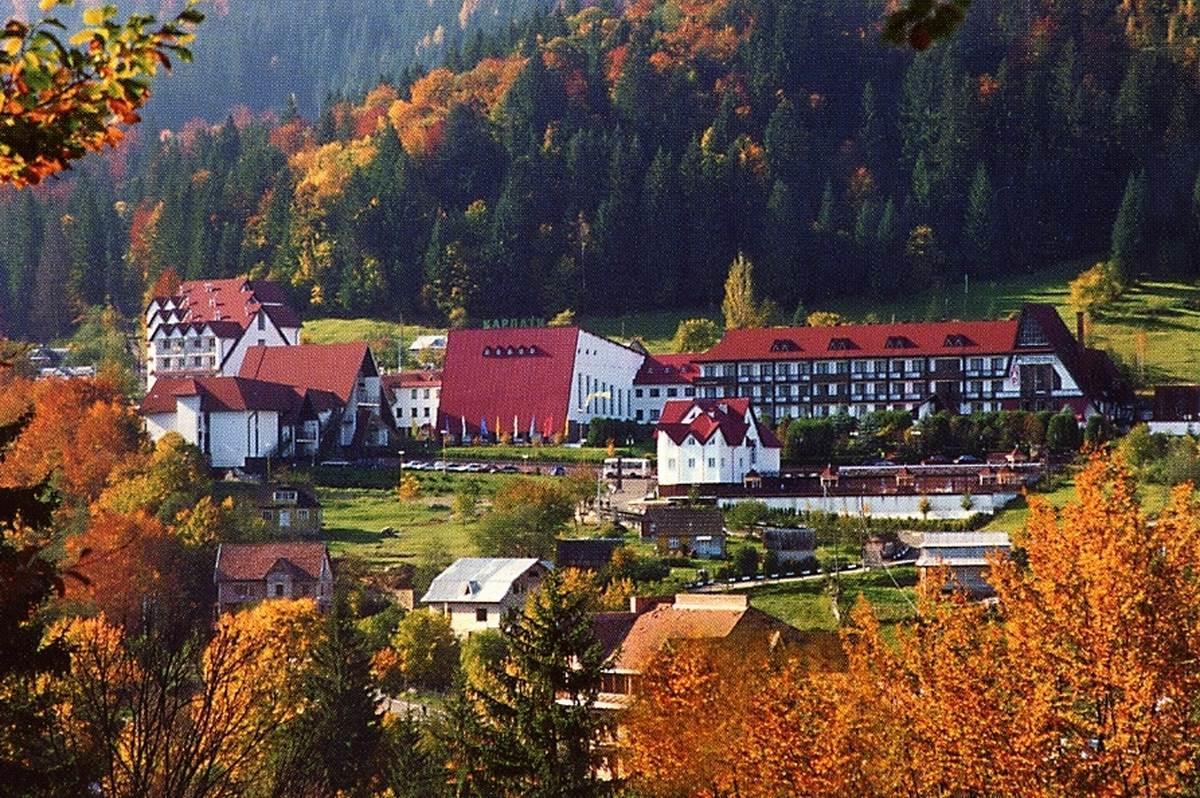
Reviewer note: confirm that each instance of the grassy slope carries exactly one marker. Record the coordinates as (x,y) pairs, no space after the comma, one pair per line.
(805,605)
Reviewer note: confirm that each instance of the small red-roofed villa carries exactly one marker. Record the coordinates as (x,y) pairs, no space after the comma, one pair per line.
(714,441)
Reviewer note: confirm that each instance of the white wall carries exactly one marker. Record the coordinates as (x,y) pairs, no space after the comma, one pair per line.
(653,397)
(270,336)
(235,436)
(713,462)
(426,407)
(944,507)
(1174,427)
(601,365)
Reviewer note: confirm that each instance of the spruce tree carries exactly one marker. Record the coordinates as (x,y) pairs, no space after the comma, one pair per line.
(825,213)
(662,237)
(531,732)
(786,145)
(979,236)
(870,131)
(1128,232)
(783,244)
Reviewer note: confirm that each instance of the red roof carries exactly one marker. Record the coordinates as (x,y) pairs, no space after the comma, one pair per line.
(506,373)
(411,379)
(251,562)
(668,370)
(921,339)
(328,372)
(727,415)
(223,394)
(234,299)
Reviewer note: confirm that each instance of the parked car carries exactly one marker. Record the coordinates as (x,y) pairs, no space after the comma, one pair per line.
(476,468)
(558,471)
(937,459)
(440,465)
(967,459)
(414,465)
(335,463)
(458,468)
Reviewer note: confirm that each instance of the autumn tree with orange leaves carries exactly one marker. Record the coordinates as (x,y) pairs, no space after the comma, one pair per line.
(1082,679)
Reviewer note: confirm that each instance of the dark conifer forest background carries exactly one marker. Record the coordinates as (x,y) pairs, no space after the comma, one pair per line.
(464,160)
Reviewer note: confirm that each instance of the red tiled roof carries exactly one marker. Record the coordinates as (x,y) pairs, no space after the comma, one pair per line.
(668,370)
(219,394)
(865,340)
(481,380)
(248,562)
(233,299)
(328,372)
(726,415)
(411,379)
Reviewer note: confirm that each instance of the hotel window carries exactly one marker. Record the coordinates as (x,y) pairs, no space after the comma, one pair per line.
(712,462)
(670,462)
(654,415)
(426,393)
(426,412)
(637,393)
(302,515)
(654,393)
(997,386)
(414,412)
(859,366)
(821,367)
(672,392)
(744,370)
(691,462)
(997,364)
(639,415)
(689,391)
(976,364)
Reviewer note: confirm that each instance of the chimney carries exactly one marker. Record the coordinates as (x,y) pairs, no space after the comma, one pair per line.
(1080,323)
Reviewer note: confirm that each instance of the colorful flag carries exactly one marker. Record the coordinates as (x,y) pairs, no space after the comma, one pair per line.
(515,431)
(483,430)
(464,428)
(532,426)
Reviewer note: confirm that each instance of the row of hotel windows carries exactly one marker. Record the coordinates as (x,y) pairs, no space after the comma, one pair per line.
(978,365)
(206,344)
(182,363)
(436,392)
(778,412)
(860,391)
(655,393)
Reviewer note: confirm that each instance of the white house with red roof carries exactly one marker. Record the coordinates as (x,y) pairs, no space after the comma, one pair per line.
(1031,362)
(414,398)
(206,328)
(288,402)
(661,378)
(713,441)
(533,382)
(233,420)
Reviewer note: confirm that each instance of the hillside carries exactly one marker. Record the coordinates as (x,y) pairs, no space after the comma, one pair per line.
(1154,328)
(611,160)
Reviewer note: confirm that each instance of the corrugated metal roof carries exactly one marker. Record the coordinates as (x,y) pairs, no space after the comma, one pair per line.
(479,580)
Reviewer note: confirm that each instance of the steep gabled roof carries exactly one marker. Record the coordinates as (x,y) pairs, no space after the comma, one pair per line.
(913,339)
(702,418)
(251,562)
(234,299)
(479,580)
(224,394)
(327,372)
(521,372)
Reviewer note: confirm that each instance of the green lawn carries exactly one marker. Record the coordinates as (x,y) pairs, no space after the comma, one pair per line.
(1013,518)
(806,606)
(355,517)
(383,336)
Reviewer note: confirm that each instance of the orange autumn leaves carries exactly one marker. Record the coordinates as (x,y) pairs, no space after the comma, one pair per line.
(1083,679)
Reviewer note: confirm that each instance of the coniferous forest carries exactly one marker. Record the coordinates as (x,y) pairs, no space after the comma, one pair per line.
(605,156)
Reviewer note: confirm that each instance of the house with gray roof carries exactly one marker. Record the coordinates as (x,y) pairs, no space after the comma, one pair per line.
(964,556)
(476,592)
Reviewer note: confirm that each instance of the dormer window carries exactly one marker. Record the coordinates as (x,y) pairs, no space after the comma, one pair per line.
(288,496)
(487,351)
(957,341)
(841,344)
(510,352)
(899,342)
(784,345)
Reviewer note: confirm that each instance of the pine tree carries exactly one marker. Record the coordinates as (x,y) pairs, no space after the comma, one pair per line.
(663,248)
(635,95)
(531,732)
(825,214)
(783,244)
(1128,232)
(885,255)
(870,131)
(922,187)
(325,748)
(979,229)
(786,145)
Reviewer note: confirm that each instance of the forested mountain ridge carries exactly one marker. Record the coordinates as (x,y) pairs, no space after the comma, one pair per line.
(603,158)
